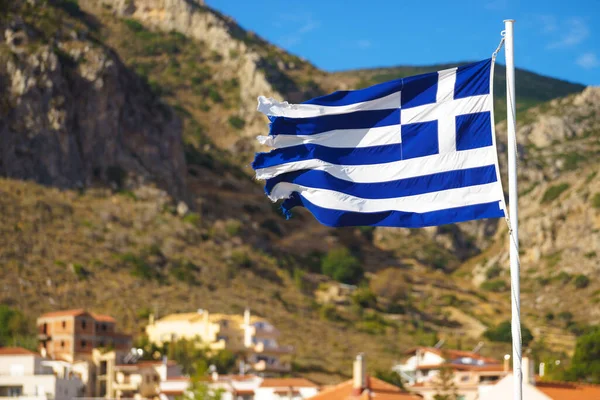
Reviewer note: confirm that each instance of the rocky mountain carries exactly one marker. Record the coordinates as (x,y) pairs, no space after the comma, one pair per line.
(73,115)
(139,104)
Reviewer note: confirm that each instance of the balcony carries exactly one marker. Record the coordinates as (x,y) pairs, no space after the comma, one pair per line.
(272,349)
(263,366)
(263,331)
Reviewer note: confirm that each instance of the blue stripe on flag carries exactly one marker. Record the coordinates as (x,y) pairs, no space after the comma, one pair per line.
(339,218)
(314,125)
(419,90)
(392,189)
(473,79)
(347,97)
(334,155)
(473,131)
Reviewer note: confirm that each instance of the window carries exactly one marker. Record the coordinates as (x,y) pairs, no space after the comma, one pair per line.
(464,378)
(83,324)
(64,324)
(156,378)
(83,343)
(104,327)
(225,323)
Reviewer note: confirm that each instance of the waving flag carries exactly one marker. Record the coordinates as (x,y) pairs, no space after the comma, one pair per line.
(413,152)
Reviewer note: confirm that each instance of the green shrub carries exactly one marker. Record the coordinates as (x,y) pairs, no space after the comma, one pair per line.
(138,267)
(581,281)
(497,285)
(79,271)
(502,333)
(241,258)
(192,218)
(563,277)
(342,266)
(566,316)
(553,192)
(233,227)
(549,316)
(12,324)
(236,122)
(184,271)
(596,200)
(493,272)
(364,298)
(134,25)
(590,254)
(329,312)
(299,281)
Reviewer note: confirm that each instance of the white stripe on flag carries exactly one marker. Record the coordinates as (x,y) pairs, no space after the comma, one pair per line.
(391,171)
(421,203)
(272,107)
(339,138)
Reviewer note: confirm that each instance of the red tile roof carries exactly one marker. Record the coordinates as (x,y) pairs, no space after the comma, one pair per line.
(64,313)
(16,351)
(568,390)
(77,312)
(376,390)
(287,382)
(103,318)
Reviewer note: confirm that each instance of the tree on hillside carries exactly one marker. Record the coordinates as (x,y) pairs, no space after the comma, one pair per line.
(502,333)
(444,385)
(13,326)
(199,390)
(586,360)
(342,266)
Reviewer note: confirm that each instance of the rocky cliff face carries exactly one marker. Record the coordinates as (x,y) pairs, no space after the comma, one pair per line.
(72,114)
(242,53)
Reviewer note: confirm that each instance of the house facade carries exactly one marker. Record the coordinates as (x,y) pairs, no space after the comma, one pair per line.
(246,387)
(26,374)
(72,334)
(247,334)
(467,371)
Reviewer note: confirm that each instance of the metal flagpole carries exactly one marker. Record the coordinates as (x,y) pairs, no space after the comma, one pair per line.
(513,205)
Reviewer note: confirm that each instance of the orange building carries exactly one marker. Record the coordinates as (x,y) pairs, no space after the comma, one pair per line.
(73,334)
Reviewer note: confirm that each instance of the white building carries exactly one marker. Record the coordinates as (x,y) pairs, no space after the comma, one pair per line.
(26,374)
(246,387)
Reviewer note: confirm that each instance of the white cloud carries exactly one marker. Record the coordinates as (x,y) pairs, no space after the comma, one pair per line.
(301,24)
(363,43)
(575,31)
(588,60)
(548,23)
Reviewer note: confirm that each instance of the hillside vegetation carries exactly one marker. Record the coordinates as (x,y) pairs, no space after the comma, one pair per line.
(126,240)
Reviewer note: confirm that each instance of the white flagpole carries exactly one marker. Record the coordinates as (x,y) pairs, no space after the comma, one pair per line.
(513,205)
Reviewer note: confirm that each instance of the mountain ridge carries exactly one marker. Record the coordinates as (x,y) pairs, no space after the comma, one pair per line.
(122,248)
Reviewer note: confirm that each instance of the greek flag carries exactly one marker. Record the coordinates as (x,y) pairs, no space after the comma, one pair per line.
(413,152)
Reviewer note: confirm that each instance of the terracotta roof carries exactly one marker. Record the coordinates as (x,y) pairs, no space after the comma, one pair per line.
(376,390)
(16,351)
(454,354)
(569,391)
(172,392)
(244,392)
(103,318)
(77,312)
(287,382)
(63,313)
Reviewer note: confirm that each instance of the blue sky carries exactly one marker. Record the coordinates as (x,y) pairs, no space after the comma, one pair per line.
(556,38)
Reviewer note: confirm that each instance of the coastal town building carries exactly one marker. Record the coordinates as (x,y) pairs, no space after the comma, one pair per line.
(26,374)
(71,335)
(255,337)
